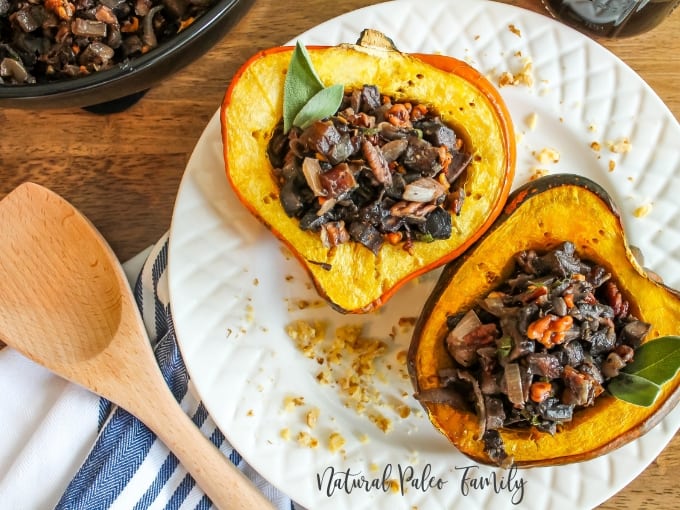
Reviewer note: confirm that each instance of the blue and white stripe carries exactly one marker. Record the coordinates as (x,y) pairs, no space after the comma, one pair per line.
(128,468)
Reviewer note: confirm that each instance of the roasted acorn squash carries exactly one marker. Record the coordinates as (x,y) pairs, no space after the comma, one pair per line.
(349,276)
(539,216)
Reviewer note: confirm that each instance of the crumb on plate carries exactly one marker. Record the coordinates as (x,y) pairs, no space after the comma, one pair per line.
(620,146)
(525,76)
(642,211)
(514,30)
(312,417)
(335,442)
(547,155)
(531,120)
(307,440)
(290,403)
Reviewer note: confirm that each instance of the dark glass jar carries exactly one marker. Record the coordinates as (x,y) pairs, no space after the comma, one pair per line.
(611,18)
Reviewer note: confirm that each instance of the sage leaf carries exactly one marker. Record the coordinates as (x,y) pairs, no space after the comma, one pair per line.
(634,389)
(323,104)
(657,360)
(300,85)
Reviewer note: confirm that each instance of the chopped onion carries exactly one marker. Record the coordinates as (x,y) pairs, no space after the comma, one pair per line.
(495,305)
(326,206)
(425,189)
(455,341)
(467,324)
(311,168)
(513,383)
(392,150)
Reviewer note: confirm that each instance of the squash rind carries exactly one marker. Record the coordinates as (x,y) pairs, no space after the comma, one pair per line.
(540,215)
(350,276)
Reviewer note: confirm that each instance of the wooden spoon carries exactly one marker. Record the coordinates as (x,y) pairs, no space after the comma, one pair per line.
(65,303)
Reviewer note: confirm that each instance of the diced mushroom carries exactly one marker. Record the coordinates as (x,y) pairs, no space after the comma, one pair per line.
(11,68)
(338,181)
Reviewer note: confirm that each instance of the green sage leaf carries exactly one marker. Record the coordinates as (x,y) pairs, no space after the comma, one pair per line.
(657,360)
(323,104)
(634,389)
(300,85)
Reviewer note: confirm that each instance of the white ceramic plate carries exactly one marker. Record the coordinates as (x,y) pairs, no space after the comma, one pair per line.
(234,288)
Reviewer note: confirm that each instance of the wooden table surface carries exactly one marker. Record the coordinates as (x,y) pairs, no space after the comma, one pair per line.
(123,170)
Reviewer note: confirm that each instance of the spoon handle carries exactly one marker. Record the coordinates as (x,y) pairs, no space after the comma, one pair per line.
(223,483)
(65,303)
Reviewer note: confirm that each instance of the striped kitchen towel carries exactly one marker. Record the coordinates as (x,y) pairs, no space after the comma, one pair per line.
(126,466)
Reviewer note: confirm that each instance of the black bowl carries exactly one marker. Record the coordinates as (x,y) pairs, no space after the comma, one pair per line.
(121,85)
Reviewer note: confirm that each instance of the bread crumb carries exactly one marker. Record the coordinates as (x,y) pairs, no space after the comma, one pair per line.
(620,146)
(547,155)
(335,442)
(290,403)
(596,146)
(531,121)
(514,30)
(506,78)
(305,304)
(403,411)
(307,440)
(312,417)
(524,77)
(407,323)
(612,165)
(537,173)
(355,365)
(642,211)
(306,335)
(285,434)
(380,421)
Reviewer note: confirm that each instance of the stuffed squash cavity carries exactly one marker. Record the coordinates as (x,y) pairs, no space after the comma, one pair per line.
(353,273)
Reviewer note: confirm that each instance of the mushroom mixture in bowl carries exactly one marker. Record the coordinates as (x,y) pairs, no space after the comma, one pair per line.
(64,53)
(46,40)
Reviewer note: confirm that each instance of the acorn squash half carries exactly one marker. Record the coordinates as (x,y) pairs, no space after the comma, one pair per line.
(350,276)
(541,215)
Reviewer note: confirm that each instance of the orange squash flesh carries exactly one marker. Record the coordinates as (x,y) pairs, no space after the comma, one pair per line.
(541,215)
(350,277)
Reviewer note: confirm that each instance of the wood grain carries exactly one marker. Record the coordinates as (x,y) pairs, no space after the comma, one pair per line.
(85,327)
(123,170)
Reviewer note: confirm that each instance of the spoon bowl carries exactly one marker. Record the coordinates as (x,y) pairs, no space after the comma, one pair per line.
(66,304)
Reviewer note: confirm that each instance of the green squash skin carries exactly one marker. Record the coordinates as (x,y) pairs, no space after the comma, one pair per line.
(608,424)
